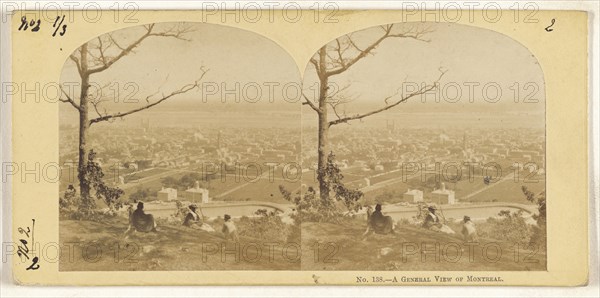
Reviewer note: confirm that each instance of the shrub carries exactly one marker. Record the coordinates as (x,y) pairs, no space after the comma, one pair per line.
(539,232)
(76,207)
(311,208)
(267,226)
(509,227)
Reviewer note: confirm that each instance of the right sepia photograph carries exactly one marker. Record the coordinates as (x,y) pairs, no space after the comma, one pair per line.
(423,148)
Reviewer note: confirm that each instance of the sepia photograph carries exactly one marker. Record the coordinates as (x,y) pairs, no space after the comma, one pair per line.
(407,146)
(177,145)
(299,146)
(427,141)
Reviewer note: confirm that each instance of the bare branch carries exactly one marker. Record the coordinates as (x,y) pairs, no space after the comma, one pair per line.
(310,103)
(77,63)
(333,106)
(344,66)
(95,105)
(422,90)
(176,32)
(336,92)
(315,63)
(341,63)
(69,99)
(182,90)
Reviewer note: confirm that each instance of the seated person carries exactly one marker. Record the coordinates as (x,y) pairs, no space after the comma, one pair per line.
(378,223)
(229,229)
(469,231)
(140,221)
(192,219)
(432,221)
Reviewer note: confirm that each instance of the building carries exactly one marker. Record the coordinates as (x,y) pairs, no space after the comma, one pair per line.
(167,194)
(413,196)
(197,194)
(443,196)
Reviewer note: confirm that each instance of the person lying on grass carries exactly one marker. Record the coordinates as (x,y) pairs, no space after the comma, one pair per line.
(378,223)
(139,221)
(192,219)
(432,221)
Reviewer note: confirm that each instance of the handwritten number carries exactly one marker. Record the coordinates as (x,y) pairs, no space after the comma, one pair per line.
(37,27)
(22,231)
(60,28)
(24,25)
(60,25)
(23,249)
(34,264)
(549,29)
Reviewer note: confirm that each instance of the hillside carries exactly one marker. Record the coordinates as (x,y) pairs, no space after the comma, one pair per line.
(103,247)
(341,248)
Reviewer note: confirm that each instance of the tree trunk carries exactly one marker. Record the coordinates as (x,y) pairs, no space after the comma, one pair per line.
(84,124)
(323,128)
(322,154)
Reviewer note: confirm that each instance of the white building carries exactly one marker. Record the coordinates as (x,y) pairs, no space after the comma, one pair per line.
(197,194)
(413,196)
(167,194)
(443,196)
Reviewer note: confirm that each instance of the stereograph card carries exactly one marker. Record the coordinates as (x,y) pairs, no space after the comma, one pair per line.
(299,147)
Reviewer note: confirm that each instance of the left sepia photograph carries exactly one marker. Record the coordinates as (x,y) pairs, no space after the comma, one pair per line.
(180,141)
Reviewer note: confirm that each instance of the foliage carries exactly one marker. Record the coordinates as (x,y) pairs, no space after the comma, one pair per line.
(140,194)
(309,207)
(110,195)
(185,182)
(75,206)
(170,182)
(509,227)
(539,231)
(188,180)
(68,200)
(266,226)
(333,179)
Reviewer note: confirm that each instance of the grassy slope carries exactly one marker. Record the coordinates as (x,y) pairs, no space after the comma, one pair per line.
(172,248)
(354,254)
(178,248)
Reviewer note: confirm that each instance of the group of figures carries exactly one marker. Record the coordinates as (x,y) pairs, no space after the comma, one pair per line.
(382,224)
(140,221)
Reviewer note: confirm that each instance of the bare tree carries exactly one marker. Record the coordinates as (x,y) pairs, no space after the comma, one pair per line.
(336,58)
(97,56)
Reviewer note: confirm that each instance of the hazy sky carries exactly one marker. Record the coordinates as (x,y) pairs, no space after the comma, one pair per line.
(231,55)
(469,54)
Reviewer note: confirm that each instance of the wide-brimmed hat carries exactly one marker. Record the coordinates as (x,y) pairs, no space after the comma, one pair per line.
(466,218)
(227,217)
